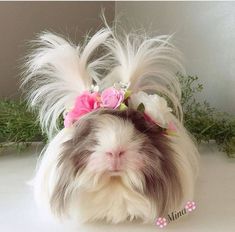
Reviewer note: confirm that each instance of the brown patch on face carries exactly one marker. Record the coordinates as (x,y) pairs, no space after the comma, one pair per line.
(161,174)
(162,181)
(72,159)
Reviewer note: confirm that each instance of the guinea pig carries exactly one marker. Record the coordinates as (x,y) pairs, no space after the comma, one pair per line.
(123,152)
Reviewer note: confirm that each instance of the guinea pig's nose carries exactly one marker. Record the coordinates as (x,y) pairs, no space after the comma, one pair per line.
(115,153)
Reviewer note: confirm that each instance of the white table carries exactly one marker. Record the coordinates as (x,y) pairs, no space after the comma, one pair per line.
(215,198)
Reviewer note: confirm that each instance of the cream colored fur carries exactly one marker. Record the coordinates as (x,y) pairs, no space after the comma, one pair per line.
(57,72)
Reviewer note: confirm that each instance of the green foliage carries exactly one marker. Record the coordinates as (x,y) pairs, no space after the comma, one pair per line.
(204,121)
(20,126)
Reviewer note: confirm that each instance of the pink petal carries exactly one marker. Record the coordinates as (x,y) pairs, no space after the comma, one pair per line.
(172,127)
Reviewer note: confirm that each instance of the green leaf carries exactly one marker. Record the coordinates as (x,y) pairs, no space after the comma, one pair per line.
(123,106)
(141,107)
(127,94)
(203,121)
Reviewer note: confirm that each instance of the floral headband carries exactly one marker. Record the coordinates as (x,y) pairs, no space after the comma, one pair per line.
(154,107)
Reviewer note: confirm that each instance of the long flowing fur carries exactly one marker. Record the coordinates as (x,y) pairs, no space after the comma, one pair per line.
(57,71)
(72,178)
(149,64)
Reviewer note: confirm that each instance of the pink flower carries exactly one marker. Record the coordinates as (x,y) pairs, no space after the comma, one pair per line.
(172,127)
(190,206)
(85,103)
(112,98)
(161,222)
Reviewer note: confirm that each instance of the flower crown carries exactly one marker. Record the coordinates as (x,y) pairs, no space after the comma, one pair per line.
(118,96)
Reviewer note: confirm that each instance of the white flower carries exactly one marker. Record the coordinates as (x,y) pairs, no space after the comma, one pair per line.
(155,106)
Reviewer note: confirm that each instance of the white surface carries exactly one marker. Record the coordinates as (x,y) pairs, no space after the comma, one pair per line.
(215,198)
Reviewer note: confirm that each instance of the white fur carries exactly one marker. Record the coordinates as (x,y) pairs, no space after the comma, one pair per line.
(58,71)
(44,180)
(115,202)
(186,157)
(99,196)
(148,64)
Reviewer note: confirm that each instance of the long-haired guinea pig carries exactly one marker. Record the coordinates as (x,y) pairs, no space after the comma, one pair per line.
(123,152)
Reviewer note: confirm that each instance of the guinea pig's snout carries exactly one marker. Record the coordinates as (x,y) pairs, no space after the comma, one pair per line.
(115,159)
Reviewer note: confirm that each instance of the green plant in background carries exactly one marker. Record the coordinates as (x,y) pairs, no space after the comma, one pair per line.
(20,126)
(204,121)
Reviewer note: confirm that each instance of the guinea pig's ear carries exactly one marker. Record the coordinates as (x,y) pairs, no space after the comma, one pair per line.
(57,71)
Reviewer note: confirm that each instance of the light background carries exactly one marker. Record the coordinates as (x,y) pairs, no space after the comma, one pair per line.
(21,21)
(205,32)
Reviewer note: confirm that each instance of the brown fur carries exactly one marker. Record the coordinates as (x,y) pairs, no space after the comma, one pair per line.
(73,158)
(161,176)
(160,172)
